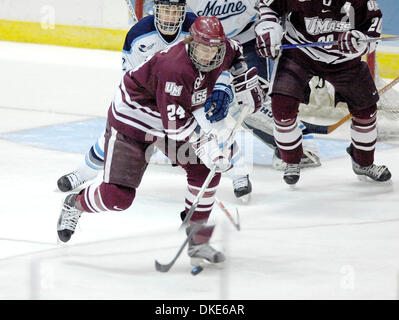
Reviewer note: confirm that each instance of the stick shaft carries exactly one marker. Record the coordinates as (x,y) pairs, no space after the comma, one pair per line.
(198,197)
(321,129)
(330,43)
(239,121)
(166,267)
(389,86)
(221,205)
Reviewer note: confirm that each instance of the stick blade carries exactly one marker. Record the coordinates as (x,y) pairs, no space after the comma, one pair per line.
(238,221)
(162,267)
(315,128)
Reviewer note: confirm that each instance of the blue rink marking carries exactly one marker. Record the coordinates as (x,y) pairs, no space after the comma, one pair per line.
(75,137)
(78,137)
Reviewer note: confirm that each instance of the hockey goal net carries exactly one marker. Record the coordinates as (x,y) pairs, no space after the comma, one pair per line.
(141,7)
(322,103)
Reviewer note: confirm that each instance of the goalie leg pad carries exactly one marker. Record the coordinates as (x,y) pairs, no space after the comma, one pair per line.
(262,119)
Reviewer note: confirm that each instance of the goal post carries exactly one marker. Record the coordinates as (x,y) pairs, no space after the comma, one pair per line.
(139,8)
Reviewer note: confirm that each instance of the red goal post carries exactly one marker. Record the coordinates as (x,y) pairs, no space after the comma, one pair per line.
(139,8)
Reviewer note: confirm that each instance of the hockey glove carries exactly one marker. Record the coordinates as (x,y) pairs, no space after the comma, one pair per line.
(268,36)
(207,149)
(217,104)
(248,91)
(349,43)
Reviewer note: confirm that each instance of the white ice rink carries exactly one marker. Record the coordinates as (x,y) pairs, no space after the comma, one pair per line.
(332,237)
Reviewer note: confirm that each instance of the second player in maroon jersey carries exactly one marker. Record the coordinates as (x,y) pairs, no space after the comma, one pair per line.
(350,22)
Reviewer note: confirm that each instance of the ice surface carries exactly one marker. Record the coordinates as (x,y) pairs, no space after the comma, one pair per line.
(331,237)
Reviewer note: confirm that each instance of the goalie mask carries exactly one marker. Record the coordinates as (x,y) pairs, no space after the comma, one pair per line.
(208,44)
(169,15)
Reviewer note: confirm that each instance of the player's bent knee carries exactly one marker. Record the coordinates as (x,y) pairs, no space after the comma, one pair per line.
(197,174)
(284,107)
(116,197)
(366,113)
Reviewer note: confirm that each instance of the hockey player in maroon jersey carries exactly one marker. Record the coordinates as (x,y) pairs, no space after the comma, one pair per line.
(161,101)
(349,22)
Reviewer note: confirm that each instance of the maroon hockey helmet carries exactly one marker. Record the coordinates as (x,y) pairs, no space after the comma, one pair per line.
(208,45)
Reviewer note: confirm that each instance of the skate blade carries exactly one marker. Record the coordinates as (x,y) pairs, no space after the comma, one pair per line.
(309,165)
(364,178)
(200,262)
(279,165)
(245,199)
(293,187)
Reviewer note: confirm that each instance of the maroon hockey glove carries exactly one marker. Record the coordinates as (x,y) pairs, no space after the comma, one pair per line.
(348,42)
(247,89)
(268,37)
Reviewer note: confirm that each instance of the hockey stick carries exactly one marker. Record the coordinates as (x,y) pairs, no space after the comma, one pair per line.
(166,267)
(237,125)
(198,197)
(330,43)
(320,129)
(389,86)
(131,10)
(236,224)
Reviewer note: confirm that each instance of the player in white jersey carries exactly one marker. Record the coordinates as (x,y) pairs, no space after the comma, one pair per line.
(238,18)
(169,25)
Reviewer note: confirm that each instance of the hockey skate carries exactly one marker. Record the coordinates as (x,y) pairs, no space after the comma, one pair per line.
(201,253)
(242,188)
(71,181)
(291,173)
(374,172)
(309,159)
(68,218)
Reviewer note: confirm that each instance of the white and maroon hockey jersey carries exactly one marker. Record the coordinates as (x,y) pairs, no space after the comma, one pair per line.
(321,21)
(158,97)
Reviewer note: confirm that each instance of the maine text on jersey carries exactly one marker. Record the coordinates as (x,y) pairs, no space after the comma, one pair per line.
(223,11)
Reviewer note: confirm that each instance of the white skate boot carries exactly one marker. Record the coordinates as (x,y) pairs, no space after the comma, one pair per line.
(68,218)
(242,188)
(374,172)
(200,253)
(70,181)
(292,173)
